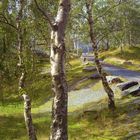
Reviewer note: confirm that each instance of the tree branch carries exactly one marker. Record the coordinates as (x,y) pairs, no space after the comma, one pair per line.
(11,25)
(46,15)
(4,20)
(37,25)
(112,7)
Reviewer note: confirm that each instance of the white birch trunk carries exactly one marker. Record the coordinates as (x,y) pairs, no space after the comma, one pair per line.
(57,58)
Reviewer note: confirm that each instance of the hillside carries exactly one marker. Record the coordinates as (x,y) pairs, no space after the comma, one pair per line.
(129,58)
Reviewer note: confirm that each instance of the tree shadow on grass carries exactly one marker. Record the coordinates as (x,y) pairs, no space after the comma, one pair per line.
(13,127)
(123,124)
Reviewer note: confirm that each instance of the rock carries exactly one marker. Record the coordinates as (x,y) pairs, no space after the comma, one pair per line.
(131,87)
(136,92)
(41,53)
(130,91)
(136,101)
(86,63)
(113,79)
(87,58)
(127,63)
(90,58)
(89,68)
(133,134)
(95,76)
(125,85)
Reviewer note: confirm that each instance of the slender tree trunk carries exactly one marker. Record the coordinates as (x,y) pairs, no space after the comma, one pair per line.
(33,56)
(111,102)
(21,65)
(107,44)
(130,38)
(77,47)
(57,58)
(122,46)
(1,93)
(28,117)
(20,45)
(1,73)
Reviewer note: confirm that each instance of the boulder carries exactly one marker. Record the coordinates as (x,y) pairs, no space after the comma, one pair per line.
(90,58)
(95,76)
(86,63)
(89,69)
(129,88)
(126,85)
(113,79)
(127,63)
(136,92)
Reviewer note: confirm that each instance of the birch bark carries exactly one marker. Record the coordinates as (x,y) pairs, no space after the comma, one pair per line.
(111,102)
(57,58)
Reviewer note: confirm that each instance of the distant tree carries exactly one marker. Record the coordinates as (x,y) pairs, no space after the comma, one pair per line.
(116,23)
(111,102)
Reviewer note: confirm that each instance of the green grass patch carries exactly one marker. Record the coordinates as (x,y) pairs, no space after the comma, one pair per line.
(104,125)
(84,84)
(92,122)
(97,124)
(118,58)
(75,72)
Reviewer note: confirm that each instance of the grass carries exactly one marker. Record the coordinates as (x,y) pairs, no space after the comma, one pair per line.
(93,122)
(38,86)
(118,58)
(85,83)
(39,89)
(101,124)
(97,86)
(13,127)
(75,74)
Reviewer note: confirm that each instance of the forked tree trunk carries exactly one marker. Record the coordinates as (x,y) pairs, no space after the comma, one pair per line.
(57,58)
(111,102)
(28,117)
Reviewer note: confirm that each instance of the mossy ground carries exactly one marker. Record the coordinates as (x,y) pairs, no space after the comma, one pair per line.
(123,124)
(98,123)
(116,57)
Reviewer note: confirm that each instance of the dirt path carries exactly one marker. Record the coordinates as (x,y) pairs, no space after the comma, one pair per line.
(118,71)
(78,98)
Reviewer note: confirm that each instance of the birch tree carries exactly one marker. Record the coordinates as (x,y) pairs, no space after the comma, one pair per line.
(57,59)
(111,102)
(21,65)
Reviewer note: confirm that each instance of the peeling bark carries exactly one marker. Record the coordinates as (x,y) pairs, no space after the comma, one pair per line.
(28,117)
(108,90)
(22,81)
(57,58)
(20,44)
(21,84)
